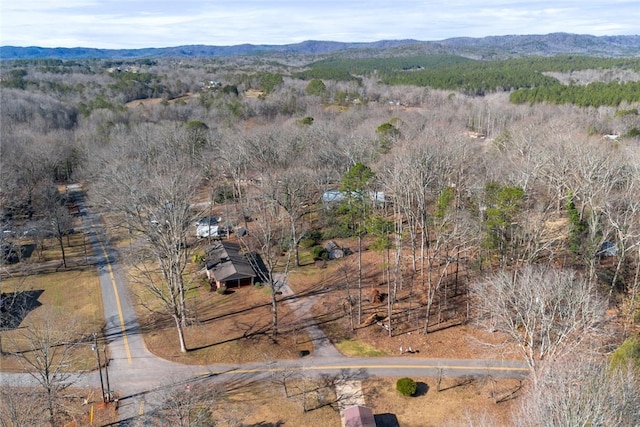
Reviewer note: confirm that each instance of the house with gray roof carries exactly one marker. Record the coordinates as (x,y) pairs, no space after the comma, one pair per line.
(227,266)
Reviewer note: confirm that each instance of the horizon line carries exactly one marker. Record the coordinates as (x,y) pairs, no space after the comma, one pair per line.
(316,41)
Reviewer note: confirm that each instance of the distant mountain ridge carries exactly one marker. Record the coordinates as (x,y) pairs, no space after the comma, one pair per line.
(554,43)
(485,47)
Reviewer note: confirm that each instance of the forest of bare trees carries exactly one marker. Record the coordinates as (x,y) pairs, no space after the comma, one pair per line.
(524,209)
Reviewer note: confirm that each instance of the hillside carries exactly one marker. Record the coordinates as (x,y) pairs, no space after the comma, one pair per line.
(492,47)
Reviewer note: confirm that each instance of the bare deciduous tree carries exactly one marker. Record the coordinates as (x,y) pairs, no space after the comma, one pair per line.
(184,404)
(46,352)
(190,406)
(580,392)
(21,406)
(545,312)
(336,391)
(26,167)
(292,191)
(148,181)
(58,218)
(285,377)
(265,244)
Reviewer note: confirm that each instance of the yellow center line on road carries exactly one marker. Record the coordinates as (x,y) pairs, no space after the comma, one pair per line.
(322,368)
(117,295)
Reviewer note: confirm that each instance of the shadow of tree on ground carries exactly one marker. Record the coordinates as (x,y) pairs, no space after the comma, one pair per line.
(15,306)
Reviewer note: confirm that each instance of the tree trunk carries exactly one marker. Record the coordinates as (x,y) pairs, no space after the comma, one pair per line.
(359,279)
(353,327)
(389,303)
(52,417)
(274,311)
(426,318)
(183,346)
(430,293)
(183,301)
(294,238)
(348,289)
(634,287)
(46,377)
(397,261)
(423,245)
(64,258)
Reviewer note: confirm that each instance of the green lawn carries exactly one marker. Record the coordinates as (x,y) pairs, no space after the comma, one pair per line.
(358,348)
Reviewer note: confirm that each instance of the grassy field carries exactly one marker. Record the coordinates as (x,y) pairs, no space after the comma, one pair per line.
(355,348)
(68,303)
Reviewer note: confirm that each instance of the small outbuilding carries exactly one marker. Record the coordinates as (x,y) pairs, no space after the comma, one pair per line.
(334,250)
(608,249)
(358,416)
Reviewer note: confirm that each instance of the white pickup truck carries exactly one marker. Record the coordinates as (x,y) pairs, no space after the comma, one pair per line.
(206,230)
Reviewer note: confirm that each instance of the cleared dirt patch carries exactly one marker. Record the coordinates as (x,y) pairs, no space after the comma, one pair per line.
(254,93)
(450,335)
(157,101)
(230,328)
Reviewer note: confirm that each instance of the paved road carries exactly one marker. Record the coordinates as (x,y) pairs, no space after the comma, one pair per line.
(135,373)
(132,368)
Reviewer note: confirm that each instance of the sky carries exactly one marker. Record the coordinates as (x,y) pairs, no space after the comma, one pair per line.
(132,24)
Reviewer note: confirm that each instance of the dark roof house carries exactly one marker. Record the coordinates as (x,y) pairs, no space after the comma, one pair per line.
(226,265)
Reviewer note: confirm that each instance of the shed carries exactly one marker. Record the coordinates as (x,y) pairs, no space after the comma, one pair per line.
(358,416)
(334,250)
(608,249)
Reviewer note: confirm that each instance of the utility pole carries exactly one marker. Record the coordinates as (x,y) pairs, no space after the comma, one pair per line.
(95,347)
(106,372)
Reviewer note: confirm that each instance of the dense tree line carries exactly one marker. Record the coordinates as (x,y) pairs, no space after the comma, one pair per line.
(591,95)
(368,66)
(327,73)
(476,77)
(391,65)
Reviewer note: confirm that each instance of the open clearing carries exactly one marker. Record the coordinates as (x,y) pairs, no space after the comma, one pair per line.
(75,292)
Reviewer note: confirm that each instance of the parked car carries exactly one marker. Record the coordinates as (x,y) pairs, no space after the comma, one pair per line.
(206,230)
(207,220)
(37,232)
